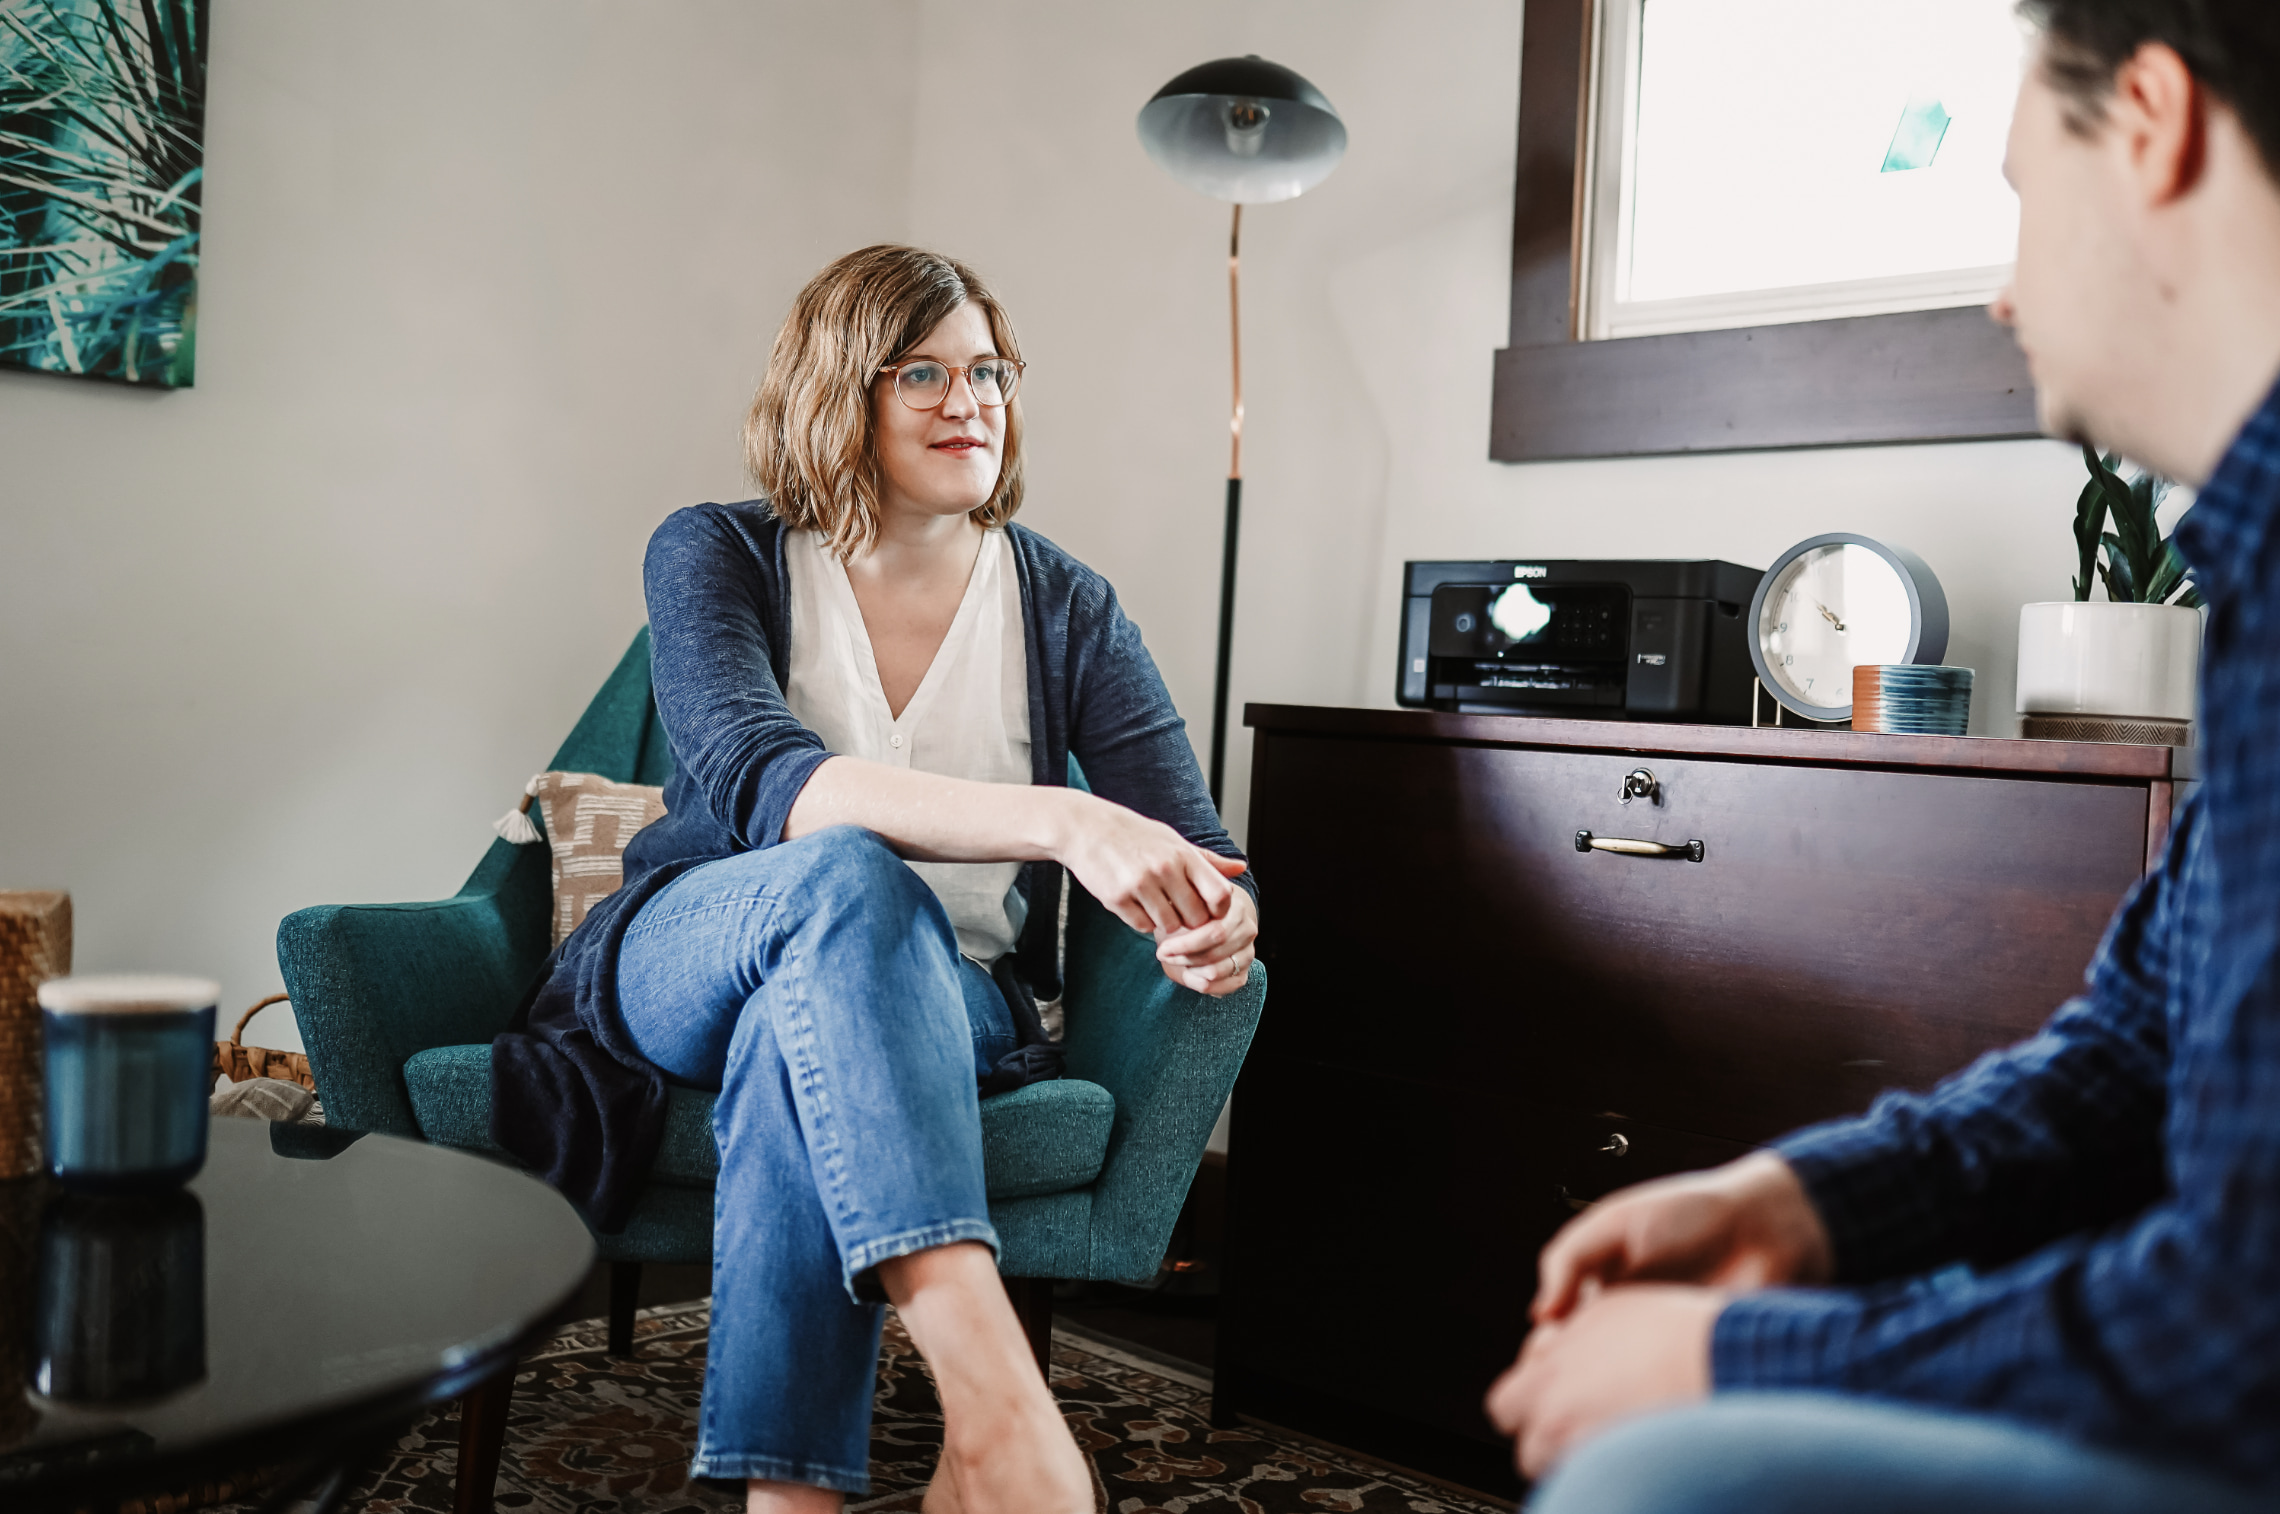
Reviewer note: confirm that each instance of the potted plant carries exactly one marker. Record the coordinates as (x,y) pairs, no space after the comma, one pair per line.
(2120,669)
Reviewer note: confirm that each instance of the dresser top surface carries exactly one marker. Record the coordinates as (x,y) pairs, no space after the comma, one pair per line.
(2109,761)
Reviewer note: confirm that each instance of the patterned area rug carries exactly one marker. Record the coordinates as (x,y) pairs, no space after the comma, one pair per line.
(594,1435)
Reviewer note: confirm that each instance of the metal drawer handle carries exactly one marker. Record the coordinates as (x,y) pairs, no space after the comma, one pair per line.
(1618,1144)
(1587,842)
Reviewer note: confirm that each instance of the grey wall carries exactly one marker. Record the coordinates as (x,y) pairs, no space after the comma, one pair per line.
(486,290)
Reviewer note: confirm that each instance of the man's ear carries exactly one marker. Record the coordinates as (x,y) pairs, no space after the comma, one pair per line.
(2160,112)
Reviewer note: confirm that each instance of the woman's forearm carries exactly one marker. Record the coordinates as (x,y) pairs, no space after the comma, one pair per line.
(929,818)
(1145,873)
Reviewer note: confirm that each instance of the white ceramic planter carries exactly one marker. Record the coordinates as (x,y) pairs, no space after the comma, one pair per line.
(2094,658)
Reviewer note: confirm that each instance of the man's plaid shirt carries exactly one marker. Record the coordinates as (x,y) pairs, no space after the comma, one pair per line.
(2111,1186)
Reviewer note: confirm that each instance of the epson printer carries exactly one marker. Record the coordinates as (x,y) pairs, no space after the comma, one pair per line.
(1653,639)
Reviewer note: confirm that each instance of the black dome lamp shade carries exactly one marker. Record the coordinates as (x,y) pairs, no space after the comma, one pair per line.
(1243,129)
(1251,132)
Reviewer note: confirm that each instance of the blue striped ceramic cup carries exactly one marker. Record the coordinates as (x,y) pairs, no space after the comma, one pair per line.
(130,1061)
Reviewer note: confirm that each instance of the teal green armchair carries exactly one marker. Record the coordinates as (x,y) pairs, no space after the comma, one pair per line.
(398,1004)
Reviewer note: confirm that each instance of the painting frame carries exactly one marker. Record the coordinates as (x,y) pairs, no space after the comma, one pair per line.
(102,169)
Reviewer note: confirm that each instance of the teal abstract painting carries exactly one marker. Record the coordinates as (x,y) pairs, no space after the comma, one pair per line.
(102,125)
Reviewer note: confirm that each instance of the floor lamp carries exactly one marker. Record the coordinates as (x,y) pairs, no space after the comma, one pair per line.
(1251,132)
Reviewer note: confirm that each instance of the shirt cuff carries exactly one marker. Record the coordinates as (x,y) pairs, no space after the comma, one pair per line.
(1784,1338)
(783,780)
(1870,1196)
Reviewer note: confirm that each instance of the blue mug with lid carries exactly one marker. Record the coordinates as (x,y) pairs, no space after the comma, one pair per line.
(130,1062)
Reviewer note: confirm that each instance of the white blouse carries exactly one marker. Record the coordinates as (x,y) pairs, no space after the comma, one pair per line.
(969,718)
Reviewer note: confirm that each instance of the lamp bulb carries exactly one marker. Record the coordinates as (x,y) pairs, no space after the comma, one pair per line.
(1246,123)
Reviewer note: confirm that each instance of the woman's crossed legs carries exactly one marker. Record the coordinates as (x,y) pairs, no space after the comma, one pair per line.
(816,985)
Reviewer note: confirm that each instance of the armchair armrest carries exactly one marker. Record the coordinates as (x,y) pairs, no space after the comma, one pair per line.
(373,984)
(1169,1056)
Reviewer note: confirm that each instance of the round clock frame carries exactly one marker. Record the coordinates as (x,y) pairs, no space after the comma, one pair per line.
(1927,617)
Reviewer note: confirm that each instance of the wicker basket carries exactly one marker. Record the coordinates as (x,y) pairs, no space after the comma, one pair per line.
(20,1201)
(238,1062)
(35,945)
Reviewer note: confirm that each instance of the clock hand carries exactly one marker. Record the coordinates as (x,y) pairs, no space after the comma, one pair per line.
(1831,614)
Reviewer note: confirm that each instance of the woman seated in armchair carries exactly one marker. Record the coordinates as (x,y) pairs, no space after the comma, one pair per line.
(873,682)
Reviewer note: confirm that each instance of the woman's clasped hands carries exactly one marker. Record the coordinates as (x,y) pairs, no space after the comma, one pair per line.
(1156,881)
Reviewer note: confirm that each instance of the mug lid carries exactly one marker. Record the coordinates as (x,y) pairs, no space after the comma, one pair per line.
(127,993)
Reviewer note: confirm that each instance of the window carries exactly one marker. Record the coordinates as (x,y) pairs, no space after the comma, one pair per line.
(1788,367)
(1752,162)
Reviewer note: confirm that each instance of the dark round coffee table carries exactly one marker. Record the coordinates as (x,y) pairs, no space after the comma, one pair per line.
(284,1317)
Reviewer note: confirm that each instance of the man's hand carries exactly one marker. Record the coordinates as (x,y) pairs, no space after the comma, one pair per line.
(1616,1354)
(1745,1225)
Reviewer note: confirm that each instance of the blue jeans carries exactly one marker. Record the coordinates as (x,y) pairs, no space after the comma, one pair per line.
(818,987)
(1812,1453)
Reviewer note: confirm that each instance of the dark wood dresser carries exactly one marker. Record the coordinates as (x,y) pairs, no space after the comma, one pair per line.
(1476,1027)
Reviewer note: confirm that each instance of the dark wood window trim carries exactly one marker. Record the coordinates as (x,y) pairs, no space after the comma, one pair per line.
(1933,375)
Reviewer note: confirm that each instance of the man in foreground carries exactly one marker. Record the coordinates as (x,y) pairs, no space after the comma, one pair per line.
(2053,1283)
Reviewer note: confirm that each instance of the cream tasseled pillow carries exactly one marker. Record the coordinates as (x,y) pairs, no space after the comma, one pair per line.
(589,821)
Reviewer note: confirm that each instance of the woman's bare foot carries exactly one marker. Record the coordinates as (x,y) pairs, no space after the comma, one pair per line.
(1024,1462)
(790,1498)
(1006,1449)
(941,1495)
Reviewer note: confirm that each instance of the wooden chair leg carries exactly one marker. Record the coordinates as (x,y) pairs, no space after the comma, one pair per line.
(482,1439)
(625,1297)
(1033,1304)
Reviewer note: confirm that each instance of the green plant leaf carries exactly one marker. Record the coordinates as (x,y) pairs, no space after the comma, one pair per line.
(2141,534)
(2135,542)
(2167,578)
(2089,523)
(2121,588)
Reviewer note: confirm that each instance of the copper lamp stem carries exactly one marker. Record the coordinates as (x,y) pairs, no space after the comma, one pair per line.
(1235,338)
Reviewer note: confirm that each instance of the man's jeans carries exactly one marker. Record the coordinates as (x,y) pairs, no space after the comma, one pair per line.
(1809,1453)
(817,985)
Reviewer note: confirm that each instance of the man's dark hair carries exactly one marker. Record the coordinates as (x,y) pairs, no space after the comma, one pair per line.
(2231,46)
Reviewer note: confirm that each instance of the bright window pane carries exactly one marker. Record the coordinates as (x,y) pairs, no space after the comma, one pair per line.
(1801,142)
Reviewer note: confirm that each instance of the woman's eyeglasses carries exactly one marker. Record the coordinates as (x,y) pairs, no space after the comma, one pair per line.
(922,383)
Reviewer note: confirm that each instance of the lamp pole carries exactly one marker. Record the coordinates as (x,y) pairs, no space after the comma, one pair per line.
(1250,132)
(1233,531)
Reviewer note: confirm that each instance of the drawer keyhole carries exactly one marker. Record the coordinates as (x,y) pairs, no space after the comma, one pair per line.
(1618,1144)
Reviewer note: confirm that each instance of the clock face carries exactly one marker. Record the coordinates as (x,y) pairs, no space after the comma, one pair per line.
(1833,609)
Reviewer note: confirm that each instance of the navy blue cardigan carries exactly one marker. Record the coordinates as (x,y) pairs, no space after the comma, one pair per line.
(570,1093)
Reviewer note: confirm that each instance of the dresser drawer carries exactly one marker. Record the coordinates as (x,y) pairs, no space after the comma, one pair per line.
(1468,1013)
(1390,1232)
(1847,929)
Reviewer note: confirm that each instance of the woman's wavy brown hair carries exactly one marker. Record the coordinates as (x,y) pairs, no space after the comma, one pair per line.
(808,440)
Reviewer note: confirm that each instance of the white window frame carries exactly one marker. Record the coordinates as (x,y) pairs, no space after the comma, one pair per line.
(1604,226)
